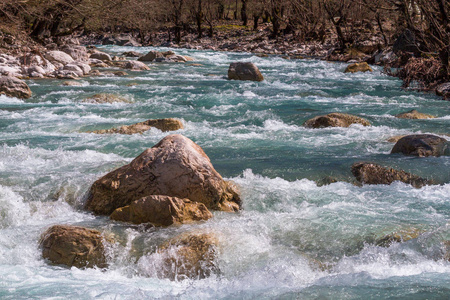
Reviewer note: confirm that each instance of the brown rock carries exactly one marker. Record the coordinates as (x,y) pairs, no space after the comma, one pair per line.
(162,211)
(358,67)
(14,87)
(151,56)
(244,71)
(443,90)
(164,125)
(398,237)
(120,73)
(106,98)
(73,246)
(136,65)
(189,256)
(176,167)
(72,83)
(447,250)
(414,114)
(394,139)
(370,173)
(335,120)
(132,54)
(421,145)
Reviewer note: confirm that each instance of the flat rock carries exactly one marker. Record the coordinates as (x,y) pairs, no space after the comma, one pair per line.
(73,246)
(189,256)
(162,211)
(335,120)
(244,71)
(358,67)
(370,173)
(106,98)
(175,167)
(414,114)
(14,87)
(168,124)
(400,236)
(421,145)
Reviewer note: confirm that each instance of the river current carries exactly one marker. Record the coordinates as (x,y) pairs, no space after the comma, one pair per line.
(295,238)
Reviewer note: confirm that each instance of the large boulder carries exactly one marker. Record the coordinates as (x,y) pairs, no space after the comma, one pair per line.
(244,71)
(335,120)
(73,246)
(77,52)
(189,256)
(168,124)
(421,145)
(136,65)
(14,87)
(151,56)
(414,114)
(161,211)
(58,57)
(101,56)
(358,67)
(370,173)
(443,90)
(176,167)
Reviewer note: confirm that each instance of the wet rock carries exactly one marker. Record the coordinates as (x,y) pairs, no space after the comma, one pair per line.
(394,139)
(106,98)
(14,87)
(73,246)
(421,145)
(176,167)
(136,65)
(447,250)
(74,68)
(189,256)
(168,124)
(244,71)
(335,120)
(161,211)
(151,56)
(101,56)
(83,66)
(120,73)
(443,90)
(132,54)
(414,114)
(58,57)
(358,67)
(370,173)
(95,73)
(400,236)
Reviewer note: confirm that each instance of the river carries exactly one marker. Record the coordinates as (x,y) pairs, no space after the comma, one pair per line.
(294,239)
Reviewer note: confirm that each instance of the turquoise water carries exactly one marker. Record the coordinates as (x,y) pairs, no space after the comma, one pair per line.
(293,239)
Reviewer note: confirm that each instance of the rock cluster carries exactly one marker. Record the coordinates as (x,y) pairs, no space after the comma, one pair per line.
(175,167)
(168,56)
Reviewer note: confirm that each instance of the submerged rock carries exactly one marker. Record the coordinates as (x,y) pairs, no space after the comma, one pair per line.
(132,54)
(106,98)
(414,114)
(73,246)
(398,237)
(244,71)
(168,124)
(335,120)
(358,67)
(370,173)
(162,211)
(72,83)
(176,167)
(421,145)
(14,87)
(189,256)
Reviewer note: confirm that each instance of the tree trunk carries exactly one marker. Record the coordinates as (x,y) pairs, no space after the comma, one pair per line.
(244,13)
